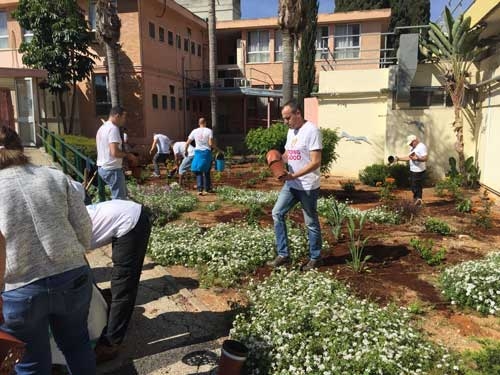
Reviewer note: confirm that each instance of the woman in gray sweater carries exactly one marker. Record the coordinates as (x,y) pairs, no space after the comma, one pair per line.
(46,282)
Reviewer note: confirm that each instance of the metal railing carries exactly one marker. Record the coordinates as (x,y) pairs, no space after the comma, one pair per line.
(72,161)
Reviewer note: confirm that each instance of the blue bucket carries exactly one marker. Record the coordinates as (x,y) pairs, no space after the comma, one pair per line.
(219,165)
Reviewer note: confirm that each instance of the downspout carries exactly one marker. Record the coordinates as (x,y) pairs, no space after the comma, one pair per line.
(184,113)
(141,54)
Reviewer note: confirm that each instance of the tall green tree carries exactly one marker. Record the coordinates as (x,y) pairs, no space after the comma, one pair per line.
(60,45)
(410,13)
(307,54)
(453,49)
(108,27)
(291,20)
(349,5)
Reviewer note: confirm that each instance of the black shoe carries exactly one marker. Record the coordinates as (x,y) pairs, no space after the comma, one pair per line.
(279,261)
(105,353)
(312,264)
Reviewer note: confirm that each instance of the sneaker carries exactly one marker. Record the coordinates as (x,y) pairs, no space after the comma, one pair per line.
(105,353)
(312,264)
(418,202)
(200,193)
(279,261)
(155,175)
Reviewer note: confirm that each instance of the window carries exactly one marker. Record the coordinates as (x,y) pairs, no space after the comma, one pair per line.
(193,48)
(92,14)
(186,44)
(170,38)
(27,36)
(278,46)
(346,44)
(199,50)
(195,108)
(164,100)
(4,34)
(322,43)
(178,40)
(172,89)
(172,103)
(258,46)
(102,97)
(188,105)
(429,97)
(152,30)
(181,104)
(155,100)
(161,34)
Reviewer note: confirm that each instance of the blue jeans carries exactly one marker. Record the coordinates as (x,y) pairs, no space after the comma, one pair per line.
(287,199)
(157,159)
(60,302)
(115,179)
(186,164)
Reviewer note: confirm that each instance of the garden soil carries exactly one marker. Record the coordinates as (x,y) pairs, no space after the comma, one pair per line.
(395,272)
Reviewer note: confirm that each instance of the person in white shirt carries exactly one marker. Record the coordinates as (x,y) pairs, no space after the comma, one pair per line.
(162,144)
(417,158)
(202,161)
(127,226)
(183,162)
(301,184)
(110,153)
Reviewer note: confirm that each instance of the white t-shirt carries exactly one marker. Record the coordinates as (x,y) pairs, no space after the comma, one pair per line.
(201,138)
(162,143)
(299,144)
(179,148)
(108,133)
(420,150)
(113,218)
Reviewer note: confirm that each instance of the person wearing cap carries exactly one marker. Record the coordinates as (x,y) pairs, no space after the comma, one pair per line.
(162,144)
(125,225)
(417,158)
(46,282)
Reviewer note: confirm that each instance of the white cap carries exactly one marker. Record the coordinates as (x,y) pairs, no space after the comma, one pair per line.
(410,139)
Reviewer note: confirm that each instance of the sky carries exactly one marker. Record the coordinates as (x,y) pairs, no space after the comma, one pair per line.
(257,9)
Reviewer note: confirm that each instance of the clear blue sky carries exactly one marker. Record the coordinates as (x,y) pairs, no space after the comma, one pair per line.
(269,8)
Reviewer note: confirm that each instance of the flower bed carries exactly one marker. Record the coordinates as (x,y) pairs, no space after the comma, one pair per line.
(380,214)
(309,323)
(165,202)
(247,197)
(222,254)
(474,284)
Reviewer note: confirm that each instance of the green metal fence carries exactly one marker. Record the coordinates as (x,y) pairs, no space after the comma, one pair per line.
(72,161)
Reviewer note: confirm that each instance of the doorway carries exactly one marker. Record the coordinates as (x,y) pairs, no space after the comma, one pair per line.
(25,111)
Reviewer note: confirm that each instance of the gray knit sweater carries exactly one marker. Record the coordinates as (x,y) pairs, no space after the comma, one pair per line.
(44,222)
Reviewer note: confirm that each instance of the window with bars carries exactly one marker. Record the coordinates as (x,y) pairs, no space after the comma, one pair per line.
(170,36)
(199,50)
(178,41)
(322,43)
(155,100)
(161,34)
(152,30)
(164,100)
(278,46)
(4,33)
(172,103)
(346,41)
(258,46)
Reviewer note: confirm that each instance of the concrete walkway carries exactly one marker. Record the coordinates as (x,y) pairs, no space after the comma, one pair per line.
(176,328)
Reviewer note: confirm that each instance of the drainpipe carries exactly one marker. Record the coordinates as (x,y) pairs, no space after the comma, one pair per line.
(184,113)
(268,112)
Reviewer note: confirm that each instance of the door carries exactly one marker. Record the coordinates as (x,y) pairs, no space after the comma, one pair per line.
(25,111)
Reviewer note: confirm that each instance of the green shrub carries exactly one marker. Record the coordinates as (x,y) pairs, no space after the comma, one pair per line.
(401,173)
(425,249)
(348,186)
(437,226)
(85,145)
(486,361)
(451,185)
(465,205)
(259,141)
(474,284)
(374,173)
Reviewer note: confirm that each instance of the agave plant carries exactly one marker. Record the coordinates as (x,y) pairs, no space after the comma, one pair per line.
(453,49)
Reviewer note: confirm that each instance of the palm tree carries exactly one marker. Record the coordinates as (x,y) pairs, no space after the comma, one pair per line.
(212,50)
(292,21)
(108,27)
(454,49)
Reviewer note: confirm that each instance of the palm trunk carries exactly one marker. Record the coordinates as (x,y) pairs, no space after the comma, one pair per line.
(112,57)
(287,65)
(212,64)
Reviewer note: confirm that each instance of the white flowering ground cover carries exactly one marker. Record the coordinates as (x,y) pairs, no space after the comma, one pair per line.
(309,323)
(224,253)
(247,197)
(474,284)
(165,202)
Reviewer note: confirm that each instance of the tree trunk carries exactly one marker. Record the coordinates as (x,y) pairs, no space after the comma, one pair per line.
(72,109)
(62,110)
(287,65)
(458,128)
(112,57)
(212,48)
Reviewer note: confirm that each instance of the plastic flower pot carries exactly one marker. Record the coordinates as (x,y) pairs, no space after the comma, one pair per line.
(219,165)
(11,352)
(233,355)
(275,163)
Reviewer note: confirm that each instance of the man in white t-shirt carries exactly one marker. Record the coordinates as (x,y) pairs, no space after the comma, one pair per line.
(417,158)
(182,161)
(202,160)
(162,144)
(301,184)
(110,153)
(127,226)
